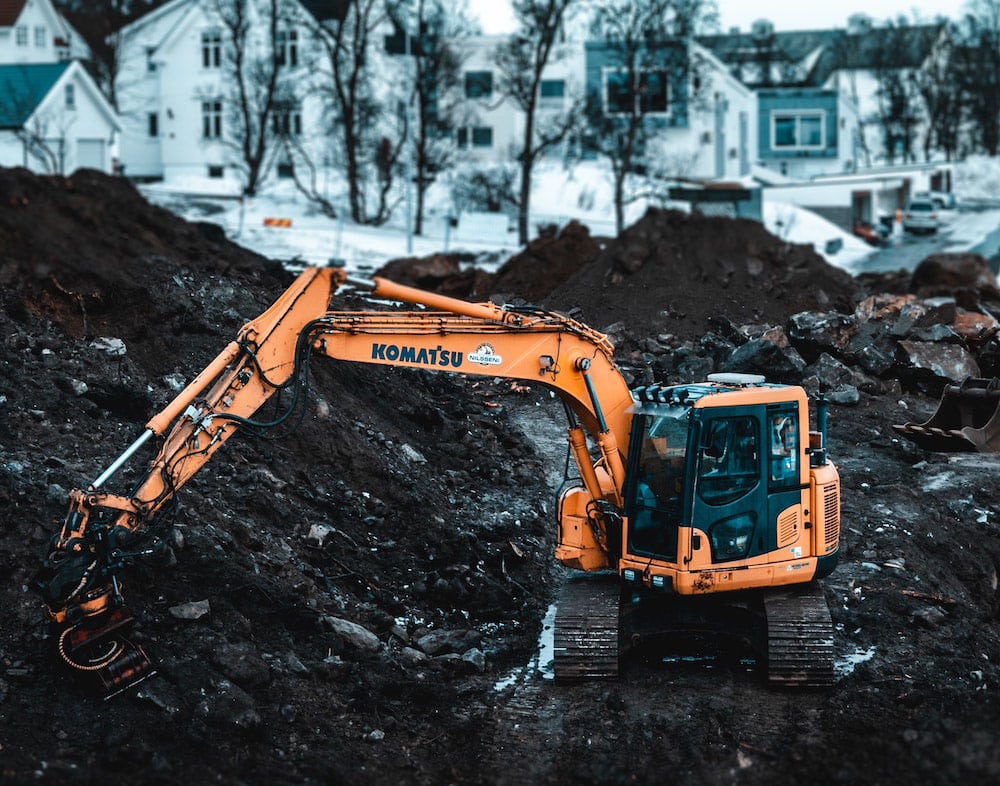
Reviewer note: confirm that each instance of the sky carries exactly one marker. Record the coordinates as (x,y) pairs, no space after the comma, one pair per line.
(495,15)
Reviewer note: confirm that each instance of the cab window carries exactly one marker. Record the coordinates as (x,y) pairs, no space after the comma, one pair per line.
(783,435)
(728,463)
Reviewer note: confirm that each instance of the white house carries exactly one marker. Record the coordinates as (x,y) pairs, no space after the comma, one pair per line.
(489,127)
(32,31)
(176,92)
(54,119)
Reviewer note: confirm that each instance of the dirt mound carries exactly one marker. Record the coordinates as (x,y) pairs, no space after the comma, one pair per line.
(394,506)
(671,272)
(545,263)
(412,505)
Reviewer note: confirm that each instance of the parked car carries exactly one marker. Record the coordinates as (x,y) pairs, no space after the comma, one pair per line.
(943,200)
(921,215)
(873,234)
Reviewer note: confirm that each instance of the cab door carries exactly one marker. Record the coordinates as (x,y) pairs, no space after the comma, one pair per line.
(730,485)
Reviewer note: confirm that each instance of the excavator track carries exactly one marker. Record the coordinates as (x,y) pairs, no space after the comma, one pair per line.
(799,638)
(587,629)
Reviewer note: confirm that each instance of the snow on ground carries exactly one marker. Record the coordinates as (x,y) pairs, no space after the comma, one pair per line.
(798,225)
(561,193)
(978,178)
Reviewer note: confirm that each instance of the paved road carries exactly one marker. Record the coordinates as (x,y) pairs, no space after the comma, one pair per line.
(972,228)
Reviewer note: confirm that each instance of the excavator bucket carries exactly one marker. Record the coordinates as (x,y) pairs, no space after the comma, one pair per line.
(967,419)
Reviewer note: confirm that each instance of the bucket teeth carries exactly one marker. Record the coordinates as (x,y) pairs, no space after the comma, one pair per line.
(967,419)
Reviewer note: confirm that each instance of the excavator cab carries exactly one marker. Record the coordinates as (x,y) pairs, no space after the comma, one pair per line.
(727,492)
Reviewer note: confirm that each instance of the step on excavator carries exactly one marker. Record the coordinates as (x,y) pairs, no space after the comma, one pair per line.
(682,493)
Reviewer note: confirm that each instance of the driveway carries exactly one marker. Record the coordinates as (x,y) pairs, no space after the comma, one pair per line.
(973,228)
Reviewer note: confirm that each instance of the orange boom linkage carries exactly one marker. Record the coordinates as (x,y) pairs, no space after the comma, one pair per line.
(689,489)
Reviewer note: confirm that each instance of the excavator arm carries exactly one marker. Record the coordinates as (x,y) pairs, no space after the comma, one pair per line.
(79,579)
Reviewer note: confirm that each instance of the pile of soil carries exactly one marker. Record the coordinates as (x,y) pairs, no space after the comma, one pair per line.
(372,606)
(530,275)
(672,272)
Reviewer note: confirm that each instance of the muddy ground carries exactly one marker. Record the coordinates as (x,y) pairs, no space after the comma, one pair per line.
(442,550)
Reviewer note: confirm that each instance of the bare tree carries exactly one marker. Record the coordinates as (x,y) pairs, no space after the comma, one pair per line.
(368,141)
(940,88)
(99,23)
(897,92)
(977,60)
(647,72)
(437,60)
(521,61)
(260,51)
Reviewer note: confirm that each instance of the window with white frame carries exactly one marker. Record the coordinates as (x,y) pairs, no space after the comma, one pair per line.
(551,93)
(211,119)
(287,120)
(798,130)
(479,136)
(646,93)
(211,49)
(482,136)
(478,84)
(70,96)
(286,47)
(41,39)
(21,35)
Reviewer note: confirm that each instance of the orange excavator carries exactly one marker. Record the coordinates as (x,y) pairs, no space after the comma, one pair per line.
(711,489)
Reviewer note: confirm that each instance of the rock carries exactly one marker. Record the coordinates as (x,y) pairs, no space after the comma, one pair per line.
(974,327)
(929,367)
(844,395)
(812,333)
(160,693)
(56,494)
(884,306)
(355,636)
(872,348)
(930,616)
(438,642)
(965,276)
(229,706)
(475,658)
(412,455)
(318,533)
(241,664)
(78,387)
(828,373)
(413,657)
(761,356)
(375,735)
(190,611)
(113,347)
(295,665)
(175,382)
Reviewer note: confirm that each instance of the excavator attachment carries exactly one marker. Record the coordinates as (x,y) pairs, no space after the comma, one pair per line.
(967,419)
(101,659)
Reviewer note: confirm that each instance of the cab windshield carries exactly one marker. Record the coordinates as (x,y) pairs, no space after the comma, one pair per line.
(656,498)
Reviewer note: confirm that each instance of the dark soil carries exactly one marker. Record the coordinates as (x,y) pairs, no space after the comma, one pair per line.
(264,690)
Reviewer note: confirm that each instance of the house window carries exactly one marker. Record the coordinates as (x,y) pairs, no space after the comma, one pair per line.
(215,171)
(211,119)
(462,138)
(647,93)
(153,124)
(478,84)
(482,136)
(40,37)
(71,96)
(287,121)
(21,35)
(798,130)
(211,49)
(287,48)
(150,62)
(552,92)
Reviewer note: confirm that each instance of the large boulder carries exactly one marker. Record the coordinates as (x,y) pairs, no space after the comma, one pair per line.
(966,277)
(929,367)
